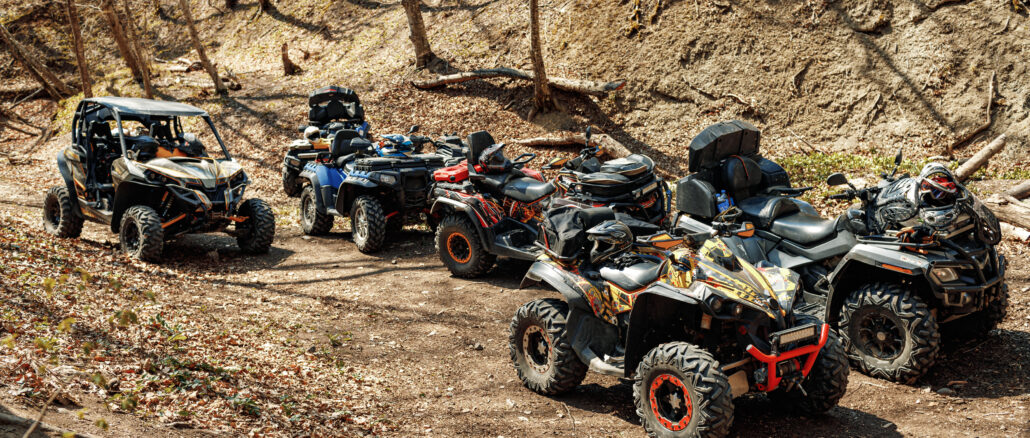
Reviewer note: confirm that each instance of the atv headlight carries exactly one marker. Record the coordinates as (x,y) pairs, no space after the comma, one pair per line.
(945,275)
(387,179)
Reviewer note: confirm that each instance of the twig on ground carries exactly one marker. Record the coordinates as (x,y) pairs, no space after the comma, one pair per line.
(573,419)
(39,418)
(810,147)
(963,139)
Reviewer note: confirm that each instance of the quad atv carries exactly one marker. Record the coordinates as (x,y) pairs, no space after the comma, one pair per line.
(918,256)
(627,184)
(380,187)
(153,185)
(693,329)
(332,109)
(487,206)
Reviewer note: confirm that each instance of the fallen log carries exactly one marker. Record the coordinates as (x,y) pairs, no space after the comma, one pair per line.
(1020,191)
(609,146)
(574,85)
(979,160)
(1006,211)
(25,422)
(1014,231)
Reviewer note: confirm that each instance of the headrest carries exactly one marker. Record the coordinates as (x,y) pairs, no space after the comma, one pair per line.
(722,140)
(739,175)
(100,129)
(478,142)
(347,134)
(160,131)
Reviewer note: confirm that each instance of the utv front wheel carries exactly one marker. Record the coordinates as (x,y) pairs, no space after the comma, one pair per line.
(826,382)
(59,217)
(540,348)
(458,245)
(368,224)
(889,333)
(312,221)
(141,234)
(680,391)
(254,235)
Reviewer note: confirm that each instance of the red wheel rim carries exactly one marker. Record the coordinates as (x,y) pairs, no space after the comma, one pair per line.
(459,248)
(670,402)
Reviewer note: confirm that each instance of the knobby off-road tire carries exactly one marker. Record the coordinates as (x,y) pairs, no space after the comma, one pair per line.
(141,235)
(59,217)
(541,350)
(368,224)
(290,185)
(458,245)
(979,324)
(679,391)
(889,333)
(312,221)
(826,382)
(255,234)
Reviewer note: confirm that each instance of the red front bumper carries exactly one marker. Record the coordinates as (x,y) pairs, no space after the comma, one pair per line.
(773,379)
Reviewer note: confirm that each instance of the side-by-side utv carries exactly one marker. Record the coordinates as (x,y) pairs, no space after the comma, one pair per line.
(133,166)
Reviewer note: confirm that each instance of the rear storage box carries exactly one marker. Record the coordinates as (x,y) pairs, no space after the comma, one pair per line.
(696,197)
(602,192)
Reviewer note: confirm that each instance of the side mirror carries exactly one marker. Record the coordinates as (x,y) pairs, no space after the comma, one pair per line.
(836,179)
(414,129)
(897,158)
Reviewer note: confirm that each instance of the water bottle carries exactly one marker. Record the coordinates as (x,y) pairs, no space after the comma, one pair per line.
(723,202)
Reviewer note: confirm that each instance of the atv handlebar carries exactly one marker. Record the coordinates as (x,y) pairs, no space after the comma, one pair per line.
(519,162)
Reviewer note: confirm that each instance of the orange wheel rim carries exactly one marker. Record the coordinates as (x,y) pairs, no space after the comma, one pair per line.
(670,402)
(459,248)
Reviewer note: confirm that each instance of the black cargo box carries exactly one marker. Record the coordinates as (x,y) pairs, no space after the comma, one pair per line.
(696,197)
(722,140)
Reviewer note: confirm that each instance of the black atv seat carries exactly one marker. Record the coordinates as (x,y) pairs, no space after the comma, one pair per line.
(634,164)
(763,210)
(604,178)
(633,277)
(527,189)
(803,228)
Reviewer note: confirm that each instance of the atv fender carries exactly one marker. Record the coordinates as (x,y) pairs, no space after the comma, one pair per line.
(62,166)
(560,280)
(350,189)
(312,178)
(865,262)
(441,204)
(659,315)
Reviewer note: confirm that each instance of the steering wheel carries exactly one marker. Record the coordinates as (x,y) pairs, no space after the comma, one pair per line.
(519,161)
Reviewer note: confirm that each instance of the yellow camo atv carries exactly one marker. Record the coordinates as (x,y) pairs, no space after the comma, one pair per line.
(693,329)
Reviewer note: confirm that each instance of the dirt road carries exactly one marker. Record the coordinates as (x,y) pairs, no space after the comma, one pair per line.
(437,345)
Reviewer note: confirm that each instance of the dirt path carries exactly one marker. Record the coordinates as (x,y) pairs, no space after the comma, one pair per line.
(438,346)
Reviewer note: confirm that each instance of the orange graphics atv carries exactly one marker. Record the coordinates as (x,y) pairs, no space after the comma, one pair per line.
(693,329)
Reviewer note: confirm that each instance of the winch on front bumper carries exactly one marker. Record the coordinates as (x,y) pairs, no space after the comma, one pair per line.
(789,368)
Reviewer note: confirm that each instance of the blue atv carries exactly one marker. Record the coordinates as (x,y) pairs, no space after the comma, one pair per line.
(379,186)
(332,109)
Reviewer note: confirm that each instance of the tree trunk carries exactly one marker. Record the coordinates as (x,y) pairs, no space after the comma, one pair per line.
(129,55)
(424,55)
(289,68)
(80,57)
(542,99)
(266,5)
(211,70)
(141,55)
(50,82)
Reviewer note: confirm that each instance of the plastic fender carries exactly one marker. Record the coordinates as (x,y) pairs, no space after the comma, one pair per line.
(659,312)
(441,204)
(328,176)
(131,193)
(868,257)
(560,280)
(62,166)
(312,177)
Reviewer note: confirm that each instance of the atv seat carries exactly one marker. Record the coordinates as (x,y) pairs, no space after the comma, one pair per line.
(803,228)
(527,189)
(629,166)
(633,277)
(763,210)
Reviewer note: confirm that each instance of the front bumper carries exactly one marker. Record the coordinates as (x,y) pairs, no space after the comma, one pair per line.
(787,365)
(978,271)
